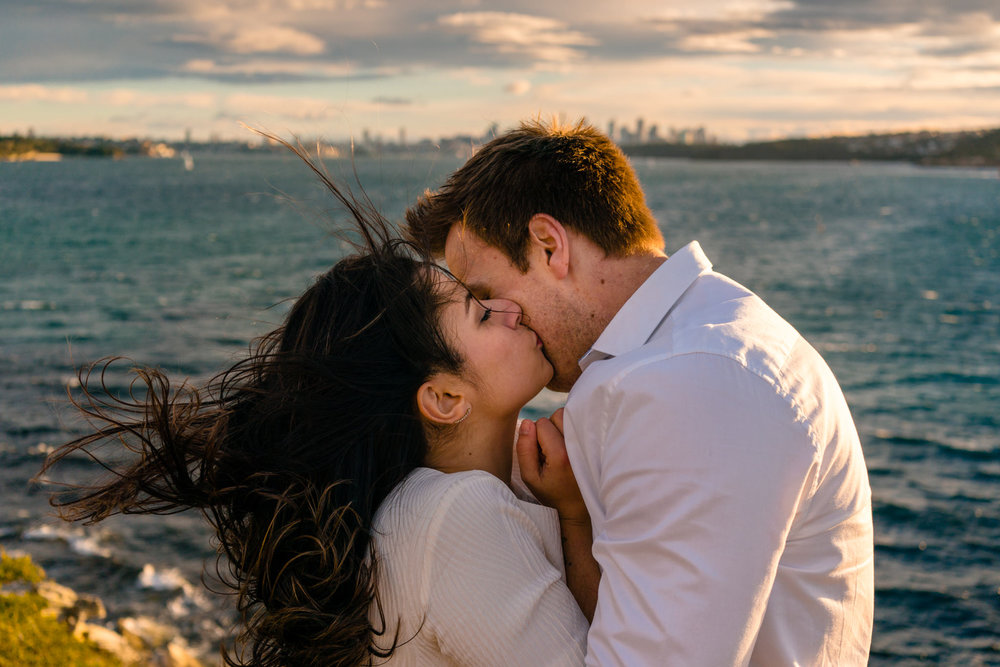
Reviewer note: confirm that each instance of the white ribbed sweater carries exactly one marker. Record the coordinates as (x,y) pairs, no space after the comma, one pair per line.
(471,575)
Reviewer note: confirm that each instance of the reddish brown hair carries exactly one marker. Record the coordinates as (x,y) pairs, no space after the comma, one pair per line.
(573,173)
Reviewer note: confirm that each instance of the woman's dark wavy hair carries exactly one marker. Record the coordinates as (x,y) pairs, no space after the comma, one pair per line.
(289,452)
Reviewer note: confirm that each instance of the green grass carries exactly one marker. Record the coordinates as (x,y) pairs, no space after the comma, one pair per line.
(32,639)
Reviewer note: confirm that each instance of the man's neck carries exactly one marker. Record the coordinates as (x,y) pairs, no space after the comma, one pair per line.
(617,279)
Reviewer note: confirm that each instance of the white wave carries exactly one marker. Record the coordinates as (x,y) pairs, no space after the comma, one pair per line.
(78,541)
(184,605)
(168,579)
(191,599)
(41,449)
(29,304)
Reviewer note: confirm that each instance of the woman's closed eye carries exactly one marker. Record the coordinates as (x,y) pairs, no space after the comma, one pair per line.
(487,311)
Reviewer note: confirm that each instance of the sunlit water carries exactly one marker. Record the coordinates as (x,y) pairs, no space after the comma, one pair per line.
(891,271)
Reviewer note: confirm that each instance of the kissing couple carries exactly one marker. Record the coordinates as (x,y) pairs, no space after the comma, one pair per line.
(702,499)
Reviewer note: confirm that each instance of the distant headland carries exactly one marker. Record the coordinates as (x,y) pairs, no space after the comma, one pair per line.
(972,148)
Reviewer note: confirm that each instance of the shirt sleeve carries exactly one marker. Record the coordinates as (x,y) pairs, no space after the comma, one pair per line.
(493,596)
(701,468)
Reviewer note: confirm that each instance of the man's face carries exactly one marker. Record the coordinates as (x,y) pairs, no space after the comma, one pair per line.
(489,274)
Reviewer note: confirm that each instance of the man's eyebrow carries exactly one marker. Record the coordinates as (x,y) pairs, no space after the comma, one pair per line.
(468,300)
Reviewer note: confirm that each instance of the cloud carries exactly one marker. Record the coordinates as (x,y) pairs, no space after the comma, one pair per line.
(39,93)
(742,41)
(273,39)
(519,87)
(534,37)
(247,40)
(723,11)
(123,97)
(471,75)
(393,101)
(250,105)
(437,62)
(262,69)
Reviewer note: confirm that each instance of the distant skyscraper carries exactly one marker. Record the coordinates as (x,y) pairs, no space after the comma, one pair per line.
(611,129)
(639,136)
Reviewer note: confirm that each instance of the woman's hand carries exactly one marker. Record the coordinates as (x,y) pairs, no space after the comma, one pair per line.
(545,468)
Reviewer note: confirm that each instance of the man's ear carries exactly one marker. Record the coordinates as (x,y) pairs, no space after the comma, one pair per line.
(441,401)
(549,241)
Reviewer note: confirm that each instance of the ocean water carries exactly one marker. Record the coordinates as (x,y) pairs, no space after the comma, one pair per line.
(891,271)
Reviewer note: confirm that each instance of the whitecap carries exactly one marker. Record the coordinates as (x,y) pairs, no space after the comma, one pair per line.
(36,304)
(42,533)
(78,541)
(168,579)
(41,449)
(185,605)
(88,546)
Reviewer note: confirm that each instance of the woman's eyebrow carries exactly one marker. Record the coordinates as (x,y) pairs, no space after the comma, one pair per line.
(479,291)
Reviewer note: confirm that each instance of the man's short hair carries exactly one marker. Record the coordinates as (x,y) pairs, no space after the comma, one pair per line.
(574,173)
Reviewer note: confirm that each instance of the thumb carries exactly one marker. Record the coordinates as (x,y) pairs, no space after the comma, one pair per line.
(527,450)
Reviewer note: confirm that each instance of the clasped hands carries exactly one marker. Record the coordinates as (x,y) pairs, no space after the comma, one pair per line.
(545,467)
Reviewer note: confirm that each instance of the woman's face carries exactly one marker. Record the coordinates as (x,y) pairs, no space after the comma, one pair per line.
(503,357)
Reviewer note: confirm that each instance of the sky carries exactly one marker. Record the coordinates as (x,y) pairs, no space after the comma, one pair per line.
(742,69)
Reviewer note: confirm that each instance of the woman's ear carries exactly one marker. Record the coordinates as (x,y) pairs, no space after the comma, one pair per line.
(441,401)
(549,242)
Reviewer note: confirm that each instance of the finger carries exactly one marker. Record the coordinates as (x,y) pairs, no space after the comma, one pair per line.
(557,419)
(550,440)
(527,450)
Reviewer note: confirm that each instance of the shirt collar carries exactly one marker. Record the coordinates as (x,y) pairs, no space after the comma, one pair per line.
(636,321)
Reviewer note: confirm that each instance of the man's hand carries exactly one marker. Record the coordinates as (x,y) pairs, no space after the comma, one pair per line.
(545,468)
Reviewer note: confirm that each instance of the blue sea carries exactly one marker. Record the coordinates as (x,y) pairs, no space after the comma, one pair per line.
(892,271)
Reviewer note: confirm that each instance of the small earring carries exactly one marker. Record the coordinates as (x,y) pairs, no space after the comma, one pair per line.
(462,418)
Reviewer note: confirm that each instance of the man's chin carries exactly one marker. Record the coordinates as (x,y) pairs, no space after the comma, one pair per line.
(562,383)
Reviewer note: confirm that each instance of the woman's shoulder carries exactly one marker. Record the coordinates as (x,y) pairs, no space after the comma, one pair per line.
(426,493)
(423,520)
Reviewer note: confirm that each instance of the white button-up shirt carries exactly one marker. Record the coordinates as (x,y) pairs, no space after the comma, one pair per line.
(725,482)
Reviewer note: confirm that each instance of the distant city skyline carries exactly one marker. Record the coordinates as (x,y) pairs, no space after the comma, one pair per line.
(733,70)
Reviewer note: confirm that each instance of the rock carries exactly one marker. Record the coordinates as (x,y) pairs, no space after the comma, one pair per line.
(158,641)
(58,596)
(86,606)
(108,640)
(146,633)
(140,641)
(180,655)
(67,605)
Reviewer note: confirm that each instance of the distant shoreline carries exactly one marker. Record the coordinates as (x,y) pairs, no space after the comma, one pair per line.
(980,148)
(971,148)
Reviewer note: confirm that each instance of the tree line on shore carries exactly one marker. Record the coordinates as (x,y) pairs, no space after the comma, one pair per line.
(979,148)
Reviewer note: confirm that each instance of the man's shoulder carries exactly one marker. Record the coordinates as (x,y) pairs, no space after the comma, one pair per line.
(717,318)
(721,316)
